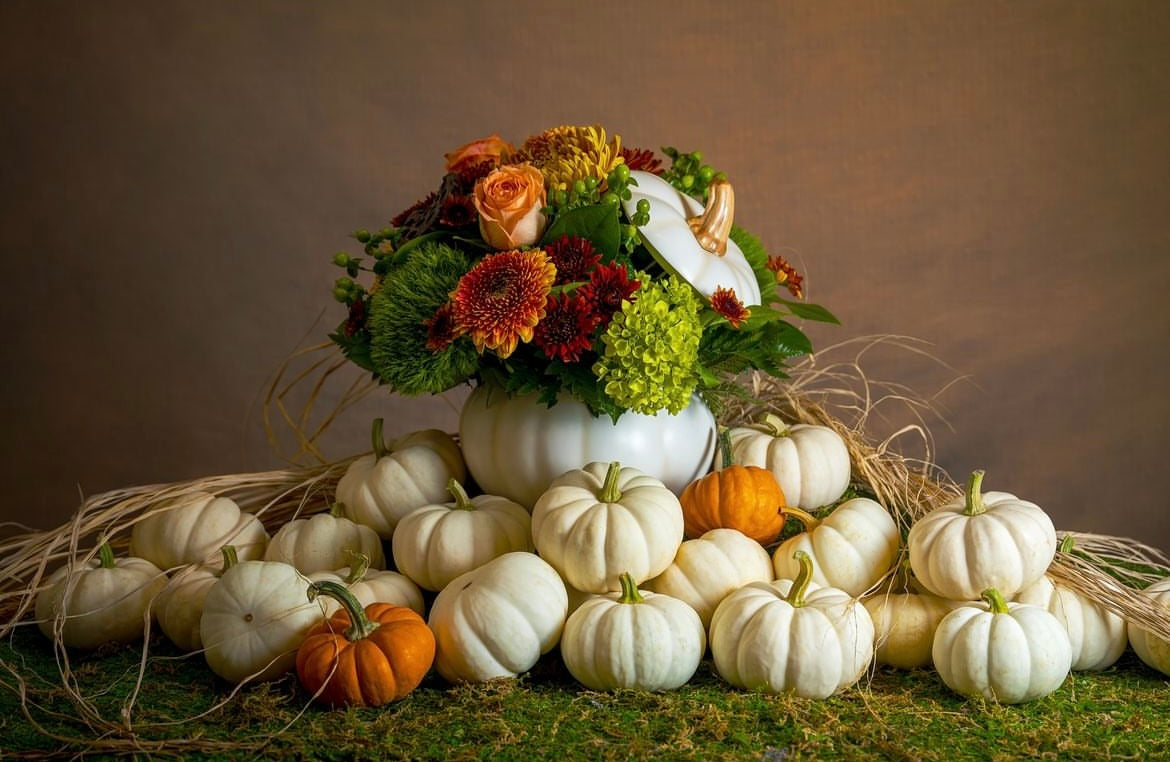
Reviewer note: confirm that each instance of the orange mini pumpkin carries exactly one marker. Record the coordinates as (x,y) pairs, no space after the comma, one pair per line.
(364,657)
(746,498)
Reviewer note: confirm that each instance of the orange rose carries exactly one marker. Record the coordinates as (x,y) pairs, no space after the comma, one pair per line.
(509,201)
(493,149)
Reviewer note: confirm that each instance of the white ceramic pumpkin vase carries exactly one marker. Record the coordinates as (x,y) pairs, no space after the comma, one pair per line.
(515,446)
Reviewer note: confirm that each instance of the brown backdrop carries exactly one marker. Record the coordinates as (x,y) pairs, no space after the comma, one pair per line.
(988,177)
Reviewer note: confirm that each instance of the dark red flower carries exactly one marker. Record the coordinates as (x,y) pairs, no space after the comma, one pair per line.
(574,258)
(357,318)
(608,287)
(727,304)
(564,332)
(640,158)
(441,329)
(457,212)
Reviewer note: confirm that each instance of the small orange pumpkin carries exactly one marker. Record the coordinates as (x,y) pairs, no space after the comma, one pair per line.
(364,657)
(746,498)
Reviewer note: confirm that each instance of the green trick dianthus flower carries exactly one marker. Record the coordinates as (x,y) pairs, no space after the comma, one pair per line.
(410,296)
(650,360)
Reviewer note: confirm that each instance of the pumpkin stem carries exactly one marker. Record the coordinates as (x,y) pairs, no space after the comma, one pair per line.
(630,592)
(800,584)
(713,226)
(975,505)
(1066,544)
(995,601)
(380,449)
(725,447)
(774,425)
(106,554)
(804,517)
(361,626)
(462,501)
(609,488)
(359,564)
(337,510)
(230,556)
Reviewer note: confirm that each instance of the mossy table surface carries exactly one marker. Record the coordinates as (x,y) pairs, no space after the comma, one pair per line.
(182,709)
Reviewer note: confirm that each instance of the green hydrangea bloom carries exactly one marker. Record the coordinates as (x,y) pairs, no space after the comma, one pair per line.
(650,359)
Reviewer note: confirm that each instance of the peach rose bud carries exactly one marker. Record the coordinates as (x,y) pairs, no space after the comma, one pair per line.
(493,148)
(509,200)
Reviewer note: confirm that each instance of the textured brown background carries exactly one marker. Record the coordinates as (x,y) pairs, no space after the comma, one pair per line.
(989,177)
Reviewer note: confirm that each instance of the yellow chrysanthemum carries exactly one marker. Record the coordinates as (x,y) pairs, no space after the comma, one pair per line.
(567,154)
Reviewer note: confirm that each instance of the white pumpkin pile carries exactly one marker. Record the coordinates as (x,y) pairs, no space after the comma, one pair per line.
(599,566)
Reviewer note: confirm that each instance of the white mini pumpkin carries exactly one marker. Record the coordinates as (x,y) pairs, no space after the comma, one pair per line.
(324,541)
(1151,648)
(680,248)
(436,543)
(371,586)
(1097,635)
(378,489)
(497,620)
(981,541)
(597,522)
(709,567)
(191,530)
(643,641)
(904,624)
(1005,652)
(106,600)
(852,548)
(179,607)
(254,617)
(811,463)
(791,636)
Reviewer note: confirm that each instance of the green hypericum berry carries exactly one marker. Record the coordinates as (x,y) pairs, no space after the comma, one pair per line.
(341,259)
(362,235)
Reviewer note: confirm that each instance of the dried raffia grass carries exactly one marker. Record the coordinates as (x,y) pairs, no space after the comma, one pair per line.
(821,390)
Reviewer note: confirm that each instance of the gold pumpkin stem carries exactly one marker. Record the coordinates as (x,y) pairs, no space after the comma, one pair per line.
(713,226)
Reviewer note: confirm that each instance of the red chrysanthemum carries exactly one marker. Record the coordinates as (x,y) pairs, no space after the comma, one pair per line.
(418,208)
(564,333)
(608,287)
(470,174)
(574,258)
(727,304)
(458,211)
(499,301)
(441,329)
(640,158)
(356,320)
(787,275)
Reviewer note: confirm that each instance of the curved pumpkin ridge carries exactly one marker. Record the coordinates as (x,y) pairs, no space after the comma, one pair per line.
(765,662)
(966,648)
(1009,660)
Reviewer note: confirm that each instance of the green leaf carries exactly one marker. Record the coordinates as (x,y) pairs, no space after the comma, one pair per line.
(599,224)
(810,311)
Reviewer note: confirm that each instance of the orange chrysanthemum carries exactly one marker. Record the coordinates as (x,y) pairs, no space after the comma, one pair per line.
(499,301)
(727,304)
(786,275)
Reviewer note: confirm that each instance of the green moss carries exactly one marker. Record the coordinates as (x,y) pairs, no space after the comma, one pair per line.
(183,710)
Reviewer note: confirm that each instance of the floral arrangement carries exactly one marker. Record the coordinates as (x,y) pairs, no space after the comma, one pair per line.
(562,266)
